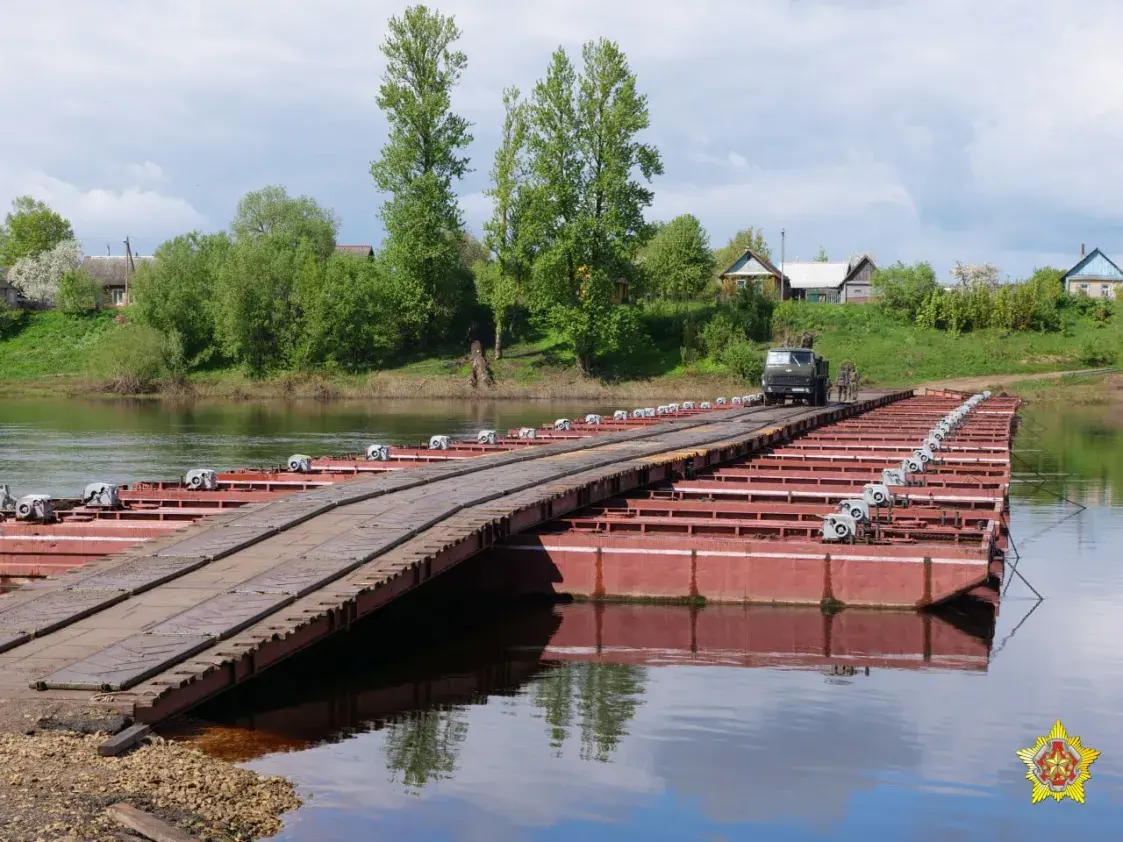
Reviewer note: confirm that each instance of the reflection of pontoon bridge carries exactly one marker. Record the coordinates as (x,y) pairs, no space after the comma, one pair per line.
(334,699)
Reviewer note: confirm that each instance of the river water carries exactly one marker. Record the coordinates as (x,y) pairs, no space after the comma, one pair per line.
(433,725)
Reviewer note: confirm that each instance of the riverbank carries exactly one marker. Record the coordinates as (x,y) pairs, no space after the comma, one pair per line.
(59,355)
(55,785)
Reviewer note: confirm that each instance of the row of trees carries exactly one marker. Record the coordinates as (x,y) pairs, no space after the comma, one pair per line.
(977,301)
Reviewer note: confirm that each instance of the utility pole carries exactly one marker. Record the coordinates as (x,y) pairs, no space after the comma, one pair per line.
(128,267)
(783,235)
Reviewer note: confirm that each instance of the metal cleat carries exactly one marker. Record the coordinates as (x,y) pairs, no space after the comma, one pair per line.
(101,495)
(201,479)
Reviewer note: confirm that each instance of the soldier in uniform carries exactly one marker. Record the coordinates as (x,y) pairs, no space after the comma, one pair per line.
(843,380)
(855,379)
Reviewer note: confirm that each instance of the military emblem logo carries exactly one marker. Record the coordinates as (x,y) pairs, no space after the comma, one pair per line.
(1058,765)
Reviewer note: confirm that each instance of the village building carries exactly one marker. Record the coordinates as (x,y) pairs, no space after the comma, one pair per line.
(836,282)
(359,250)
(114,273)
(753,267)
(1094,275)
(8,294)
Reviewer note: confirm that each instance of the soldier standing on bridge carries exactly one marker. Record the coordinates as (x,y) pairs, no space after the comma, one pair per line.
(855,379)
(843,381)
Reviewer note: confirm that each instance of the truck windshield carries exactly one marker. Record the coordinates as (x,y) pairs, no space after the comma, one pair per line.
(789,358)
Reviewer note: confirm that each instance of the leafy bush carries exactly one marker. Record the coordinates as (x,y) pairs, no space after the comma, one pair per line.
(718,334)
(1097,350)
(79,292)
(137,358)
(744,360)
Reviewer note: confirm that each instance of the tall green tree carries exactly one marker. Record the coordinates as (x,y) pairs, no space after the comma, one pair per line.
(30,229)
(270,213)
(821,257)
(348,318)
(589,195)
(176,292)
(751,238)
(510,234)
(678,261)
(421,161)
(258,320)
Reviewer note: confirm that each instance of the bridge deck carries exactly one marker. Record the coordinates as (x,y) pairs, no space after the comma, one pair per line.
(177,620)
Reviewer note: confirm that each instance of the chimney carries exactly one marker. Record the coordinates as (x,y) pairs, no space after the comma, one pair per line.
(1081,251)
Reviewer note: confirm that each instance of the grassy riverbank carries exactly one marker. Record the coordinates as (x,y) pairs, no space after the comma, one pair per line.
(53,353)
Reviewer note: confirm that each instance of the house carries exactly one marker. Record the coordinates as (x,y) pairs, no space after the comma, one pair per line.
(8,293)
(838,283)
(755,267)
(1095,275)
(114,273)
(359,251)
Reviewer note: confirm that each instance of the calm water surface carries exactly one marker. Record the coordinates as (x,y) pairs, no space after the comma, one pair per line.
(497,726)
(56,447)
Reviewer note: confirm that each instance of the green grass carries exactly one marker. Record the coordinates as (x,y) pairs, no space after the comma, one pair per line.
(888,353)
(49,349)
(53,344)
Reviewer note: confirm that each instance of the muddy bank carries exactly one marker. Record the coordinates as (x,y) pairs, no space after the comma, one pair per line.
(54,785)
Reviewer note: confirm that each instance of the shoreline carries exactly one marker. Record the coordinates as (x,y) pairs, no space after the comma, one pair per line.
(561,385)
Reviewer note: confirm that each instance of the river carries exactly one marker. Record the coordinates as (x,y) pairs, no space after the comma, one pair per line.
(434,726)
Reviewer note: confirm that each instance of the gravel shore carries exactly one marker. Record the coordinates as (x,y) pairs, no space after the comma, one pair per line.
(55,786)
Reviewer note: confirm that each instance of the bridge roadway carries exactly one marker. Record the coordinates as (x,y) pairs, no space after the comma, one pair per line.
(160,628)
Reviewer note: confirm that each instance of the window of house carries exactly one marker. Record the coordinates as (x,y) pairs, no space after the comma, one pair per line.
(1084,288)
(118,297)
(1105,290)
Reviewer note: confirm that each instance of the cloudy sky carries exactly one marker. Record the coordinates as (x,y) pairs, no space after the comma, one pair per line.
(946,131)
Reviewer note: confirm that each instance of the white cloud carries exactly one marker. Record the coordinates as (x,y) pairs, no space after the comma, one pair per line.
(102,214)
(977,135)
(147,171)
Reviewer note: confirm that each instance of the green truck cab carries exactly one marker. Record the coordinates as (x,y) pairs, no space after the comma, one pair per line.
(797,373)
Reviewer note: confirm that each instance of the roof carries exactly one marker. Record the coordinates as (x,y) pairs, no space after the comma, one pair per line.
(360,250)
(1095,266)
(751,264)
(110,269)
(816,275)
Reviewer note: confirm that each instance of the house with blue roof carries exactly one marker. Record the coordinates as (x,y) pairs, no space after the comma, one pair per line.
(1095,275)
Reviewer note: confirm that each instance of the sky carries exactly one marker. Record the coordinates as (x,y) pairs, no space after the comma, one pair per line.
(906,129)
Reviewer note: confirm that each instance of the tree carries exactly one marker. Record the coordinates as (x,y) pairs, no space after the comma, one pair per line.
(422,159)
(678,261)
(270,213)
(975,274)
(79,292)
(38,277)
(588,195)
(749,238)
(257,319)
(509,234)
(176,292)
(904,289)
(472,251)
(821,257)
(348,316)
(30,229)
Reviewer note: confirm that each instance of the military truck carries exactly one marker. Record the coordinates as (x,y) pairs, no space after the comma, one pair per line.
(797,373)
